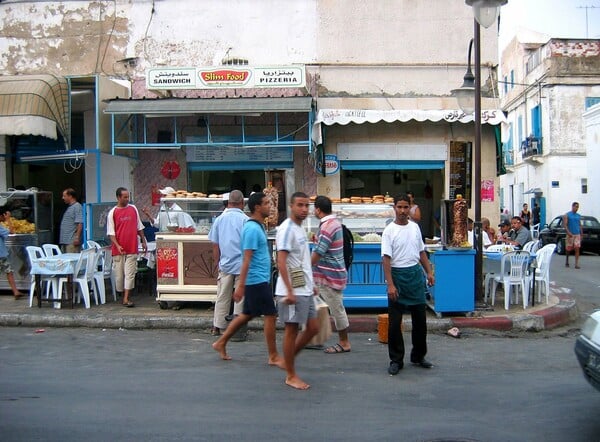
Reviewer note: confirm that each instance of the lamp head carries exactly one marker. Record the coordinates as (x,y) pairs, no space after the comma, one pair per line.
(465,95)
(486,11)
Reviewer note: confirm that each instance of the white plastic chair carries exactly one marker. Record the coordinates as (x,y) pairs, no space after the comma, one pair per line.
(51,250)
(513,272)
(535,231)
(83,275)
(93,245)
(34,253)
(531,246)
(542,271)
(104,270)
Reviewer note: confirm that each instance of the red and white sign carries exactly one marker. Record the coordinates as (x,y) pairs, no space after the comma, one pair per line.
(487,191)
(166,262)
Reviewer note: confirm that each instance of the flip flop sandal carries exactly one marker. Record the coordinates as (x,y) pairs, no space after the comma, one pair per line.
(128,304)
(335,349)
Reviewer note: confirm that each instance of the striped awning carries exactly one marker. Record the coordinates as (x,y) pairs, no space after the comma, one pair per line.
(34,105)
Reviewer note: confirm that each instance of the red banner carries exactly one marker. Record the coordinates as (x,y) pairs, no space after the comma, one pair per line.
(166,262)
(487,191)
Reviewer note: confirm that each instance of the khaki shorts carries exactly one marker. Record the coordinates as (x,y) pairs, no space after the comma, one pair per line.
(573,242)
(335,301)
(5,265)
(124,268)
(70,248)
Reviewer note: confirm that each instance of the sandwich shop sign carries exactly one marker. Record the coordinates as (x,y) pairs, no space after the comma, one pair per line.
(226,77)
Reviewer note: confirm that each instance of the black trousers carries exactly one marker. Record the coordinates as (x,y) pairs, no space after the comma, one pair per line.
(419,331)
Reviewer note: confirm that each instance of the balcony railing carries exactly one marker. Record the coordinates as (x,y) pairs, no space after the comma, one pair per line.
(508,157)
(531,146)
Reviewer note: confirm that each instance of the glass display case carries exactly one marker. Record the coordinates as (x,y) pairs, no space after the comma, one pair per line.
(366,221)
(31,224)
(202,210)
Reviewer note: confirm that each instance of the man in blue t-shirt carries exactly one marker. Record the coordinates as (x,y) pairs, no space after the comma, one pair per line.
(254,281)
(226,234)
(573,227)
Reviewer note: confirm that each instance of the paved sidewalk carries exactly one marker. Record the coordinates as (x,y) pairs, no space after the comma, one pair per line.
(147,315)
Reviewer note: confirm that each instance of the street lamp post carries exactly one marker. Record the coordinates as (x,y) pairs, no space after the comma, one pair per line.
(486,13)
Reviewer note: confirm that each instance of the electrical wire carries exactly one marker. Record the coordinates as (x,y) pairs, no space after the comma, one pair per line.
(152,12)
(112,32)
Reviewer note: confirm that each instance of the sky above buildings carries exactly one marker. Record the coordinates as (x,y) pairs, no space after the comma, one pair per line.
(557,18)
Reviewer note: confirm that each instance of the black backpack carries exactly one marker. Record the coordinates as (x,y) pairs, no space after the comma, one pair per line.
(348,247)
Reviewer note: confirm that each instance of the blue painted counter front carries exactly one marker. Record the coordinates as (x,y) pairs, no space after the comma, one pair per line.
(454,289)
(366,283)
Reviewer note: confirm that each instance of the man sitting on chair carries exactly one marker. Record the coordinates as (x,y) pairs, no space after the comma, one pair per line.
(519,235)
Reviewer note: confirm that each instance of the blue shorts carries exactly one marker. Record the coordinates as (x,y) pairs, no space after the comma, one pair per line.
(258,300)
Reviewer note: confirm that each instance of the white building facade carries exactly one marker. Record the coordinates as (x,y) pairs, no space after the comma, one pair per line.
(547,85)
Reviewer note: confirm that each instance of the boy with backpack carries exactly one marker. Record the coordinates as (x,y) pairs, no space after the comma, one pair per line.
(329,270)
(4,262)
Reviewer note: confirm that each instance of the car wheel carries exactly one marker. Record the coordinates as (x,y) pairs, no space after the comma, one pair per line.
(560,247)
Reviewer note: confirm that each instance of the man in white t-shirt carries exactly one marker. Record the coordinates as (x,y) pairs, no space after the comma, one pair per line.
(169,214)
(485,239)
(404,259)
(295,288)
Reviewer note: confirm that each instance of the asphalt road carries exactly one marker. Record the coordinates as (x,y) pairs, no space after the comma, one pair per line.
(582,284)
(95,385)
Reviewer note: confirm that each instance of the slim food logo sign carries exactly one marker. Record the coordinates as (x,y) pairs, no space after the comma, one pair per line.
(226,77)
(218,78)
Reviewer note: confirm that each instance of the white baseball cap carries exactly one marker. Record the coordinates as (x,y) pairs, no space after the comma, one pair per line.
(167,190)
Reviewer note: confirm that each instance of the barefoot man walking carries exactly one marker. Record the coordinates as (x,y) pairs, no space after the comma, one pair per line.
(254,281)
(295,290)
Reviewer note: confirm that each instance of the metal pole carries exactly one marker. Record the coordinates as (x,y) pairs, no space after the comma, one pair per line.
(477,172)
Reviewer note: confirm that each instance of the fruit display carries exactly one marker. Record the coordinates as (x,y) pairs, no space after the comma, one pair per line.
(185,230)
(18,226)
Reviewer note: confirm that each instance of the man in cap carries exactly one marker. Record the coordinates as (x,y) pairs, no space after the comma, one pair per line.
(170,213)
(503,229)
(518,235)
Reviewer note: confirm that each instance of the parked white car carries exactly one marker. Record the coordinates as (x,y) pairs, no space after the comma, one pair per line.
(587,349)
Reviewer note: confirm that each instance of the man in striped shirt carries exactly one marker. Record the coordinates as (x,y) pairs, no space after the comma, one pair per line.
(329,270)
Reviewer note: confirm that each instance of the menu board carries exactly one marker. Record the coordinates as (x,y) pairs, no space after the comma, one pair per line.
(460,169)
(219,154)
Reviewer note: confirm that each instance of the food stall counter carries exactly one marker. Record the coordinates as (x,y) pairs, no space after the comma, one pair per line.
(185,268)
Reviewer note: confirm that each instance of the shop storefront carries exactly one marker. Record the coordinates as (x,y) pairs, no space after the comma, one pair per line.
(426,152)
(220,129)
